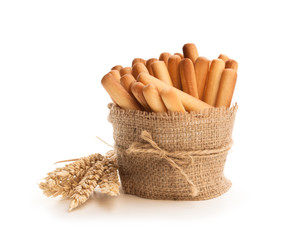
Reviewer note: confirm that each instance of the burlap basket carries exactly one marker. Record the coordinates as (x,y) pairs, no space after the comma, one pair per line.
(178,156)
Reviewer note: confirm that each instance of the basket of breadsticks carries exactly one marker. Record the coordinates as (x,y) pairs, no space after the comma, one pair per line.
(172,124)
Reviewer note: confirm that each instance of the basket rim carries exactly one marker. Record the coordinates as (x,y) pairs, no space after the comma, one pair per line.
(202,113)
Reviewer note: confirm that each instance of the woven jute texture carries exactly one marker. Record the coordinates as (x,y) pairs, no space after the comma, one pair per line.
(178,156)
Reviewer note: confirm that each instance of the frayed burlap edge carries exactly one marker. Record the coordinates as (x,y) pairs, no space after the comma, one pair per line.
(208,112)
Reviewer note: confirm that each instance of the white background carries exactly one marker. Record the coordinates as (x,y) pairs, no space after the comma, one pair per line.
(53,55)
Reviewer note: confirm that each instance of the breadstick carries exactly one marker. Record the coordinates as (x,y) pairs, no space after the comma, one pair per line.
(164,57)
(190,51)
(230,63)
(148,65)
(180,55)
(138,60)
(137,91)
(171,100)
(213,81)
(118,93)
(173,67)
(161,72)
(188,78)
(201,71)
(126,81)
(126,70)
(190,103)
(153,98)
(117,67)
(226,88)
(138,68)
(223,57)
(116,74)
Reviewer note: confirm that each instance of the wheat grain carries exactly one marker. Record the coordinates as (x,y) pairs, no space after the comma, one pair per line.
(87,185)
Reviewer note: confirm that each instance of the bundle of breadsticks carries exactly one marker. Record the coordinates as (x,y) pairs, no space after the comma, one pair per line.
(176,83)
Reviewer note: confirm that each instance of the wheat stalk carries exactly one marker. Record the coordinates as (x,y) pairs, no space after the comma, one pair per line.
(110,183)
(62,181)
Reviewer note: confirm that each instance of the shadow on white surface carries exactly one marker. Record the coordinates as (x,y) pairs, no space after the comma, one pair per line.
(132,207)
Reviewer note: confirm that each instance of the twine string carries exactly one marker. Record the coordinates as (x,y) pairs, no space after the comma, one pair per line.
(177,158)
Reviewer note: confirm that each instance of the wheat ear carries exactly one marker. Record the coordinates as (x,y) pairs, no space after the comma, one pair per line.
(110,183)
(87,185)
(62,181)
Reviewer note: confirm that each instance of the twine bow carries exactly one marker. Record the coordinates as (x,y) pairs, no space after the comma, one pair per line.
(176,159)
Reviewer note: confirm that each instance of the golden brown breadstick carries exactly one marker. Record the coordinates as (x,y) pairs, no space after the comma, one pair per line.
(173,67)
(179,54)
(118,93)
(213,81)
(116,74)
(190,103)
(148,65)
(117,67)
(125,70)
(230,63)
(164,57)
(138,68)
(171,100)
(137,91)
(190,51)
(187,77)
(138,60)
(161,72)
(226,89)
(223,57)
(153,98)
(201,71)
(126,81)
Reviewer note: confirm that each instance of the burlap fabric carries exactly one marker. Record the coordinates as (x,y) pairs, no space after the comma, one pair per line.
(177,156)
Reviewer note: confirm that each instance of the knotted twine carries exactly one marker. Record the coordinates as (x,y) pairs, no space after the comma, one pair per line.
(175,159)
